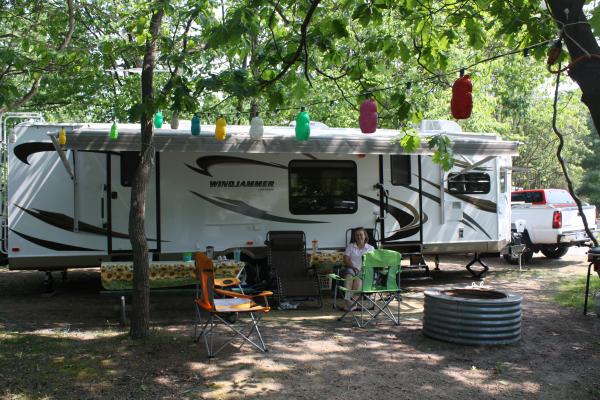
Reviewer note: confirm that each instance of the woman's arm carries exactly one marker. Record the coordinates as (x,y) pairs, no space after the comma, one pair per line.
(348,263)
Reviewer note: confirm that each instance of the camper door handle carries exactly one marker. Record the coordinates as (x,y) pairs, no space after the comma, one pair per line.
(387,199)
(102,207)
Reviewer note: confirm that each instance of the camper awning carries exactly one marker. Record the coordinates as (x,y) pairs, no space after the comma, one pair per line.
(94,137)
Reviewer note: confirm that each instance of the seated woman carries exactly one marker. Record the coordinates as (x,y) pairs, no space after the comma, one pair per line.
(353,262)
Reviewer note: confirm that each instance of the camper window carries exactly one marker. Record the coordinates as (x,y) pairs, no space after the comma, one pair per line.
(322,187)
(469,183)
(400,170)
(129,163)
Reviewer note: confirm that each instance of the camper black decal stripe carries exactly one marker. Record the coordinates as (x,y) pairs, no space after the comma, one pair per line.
(484,205)
(65,222)
(242,208)
(52,245)
(428,195)
(413,210)
(463,221)
(204,163)
(24,150)
(405,220)
(471,220)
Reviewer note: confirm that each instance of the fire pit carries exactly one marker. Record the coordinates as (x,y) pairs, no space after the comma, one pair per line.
(472,316)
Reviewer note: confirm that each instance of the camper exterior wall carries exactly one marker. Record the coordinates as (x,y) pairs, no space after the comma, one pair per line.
(232,199)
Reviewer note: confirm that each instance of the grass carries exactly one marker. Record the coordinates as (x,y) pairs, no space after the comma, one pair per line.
(571,293)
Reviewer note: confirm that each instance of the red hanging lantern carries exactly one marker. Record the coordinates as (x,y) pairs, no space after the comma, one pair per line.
(462,98)
(368,116)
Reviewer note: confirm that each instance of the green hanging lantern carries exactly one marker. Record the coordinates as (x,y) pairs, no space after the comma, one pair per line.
(158,120)
(302,125)
(196,125)
(114,131)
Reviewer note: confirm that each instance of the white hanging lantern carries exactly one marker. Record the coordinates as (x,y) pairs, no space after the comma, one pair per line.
(257,128)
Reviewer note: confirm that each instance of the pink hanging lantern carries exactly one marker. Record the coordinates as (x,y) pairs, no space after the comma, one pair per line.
(368,116)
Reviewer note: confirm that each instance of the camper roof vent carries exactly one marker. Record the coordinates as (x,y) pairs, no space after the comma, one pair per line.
(439,125)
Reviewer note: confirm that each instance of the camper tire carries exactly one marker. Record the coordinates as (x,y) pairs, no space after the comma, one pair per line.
(554,251)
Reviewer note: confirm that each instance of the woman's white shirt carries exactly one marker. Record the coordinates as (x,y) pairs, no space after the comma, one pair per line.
(356,254)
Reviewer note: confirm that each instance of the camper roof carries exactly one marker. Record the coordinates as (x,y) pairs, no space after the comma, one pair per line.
(276,139)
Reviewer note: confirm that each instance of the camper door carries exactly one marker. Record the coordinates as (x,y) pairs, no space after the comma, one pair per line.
(403,212)
(121,172)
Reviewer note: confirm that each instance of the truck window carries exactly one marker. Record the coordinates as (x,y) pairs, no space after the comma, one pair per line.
(469,183)
(559,197)
(400,170)
(527,197)
(322,187)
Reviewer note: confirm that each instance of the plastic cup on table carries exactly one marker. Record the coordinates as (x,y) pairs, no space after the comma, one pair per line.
(237,254)
(187,256)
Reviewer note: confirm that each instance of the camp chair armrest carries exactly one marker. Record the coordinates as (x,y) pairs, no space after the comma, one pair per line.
(226,282)
(335,277)
(243,296)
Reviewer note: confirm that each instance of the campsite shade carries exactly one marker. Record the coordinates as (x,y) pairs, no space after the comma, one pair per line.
(276,139)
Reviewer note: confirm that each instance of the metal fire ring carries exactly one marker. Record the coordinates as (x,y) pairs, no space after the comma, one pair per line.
(472,316)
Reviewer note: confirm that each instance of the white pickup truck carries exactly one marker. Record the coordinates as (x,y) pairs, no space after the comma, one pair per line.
(547,220)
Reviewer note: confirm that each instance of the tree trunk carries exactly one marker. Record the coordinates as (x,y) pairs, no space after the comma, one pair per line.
(140,315)
(585,72)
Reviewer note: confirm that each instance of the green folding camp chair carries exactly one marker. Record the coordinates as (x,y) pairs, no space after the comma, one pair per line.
(380,287)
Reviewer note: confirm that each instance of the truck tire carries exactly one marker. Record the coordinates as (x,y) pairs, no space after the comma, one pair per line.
(525,258)
(555,252)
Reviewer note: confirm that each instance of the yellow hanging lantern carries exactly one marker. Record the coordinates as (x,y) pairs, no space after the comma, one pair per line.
(62,137)
(220,129)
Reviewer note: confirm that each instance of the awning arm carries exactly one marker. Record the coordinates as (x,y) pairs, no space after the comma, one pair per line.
(63,157)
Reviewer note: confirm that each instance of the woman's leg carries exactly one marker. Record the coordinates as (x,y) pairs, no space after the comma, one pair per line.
(348,284)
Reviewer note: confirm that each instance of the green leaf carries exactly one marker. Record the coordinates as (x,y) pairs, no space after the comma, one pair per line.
(405,54)
(443,154)
(410,142)
(338,28)
(595,21)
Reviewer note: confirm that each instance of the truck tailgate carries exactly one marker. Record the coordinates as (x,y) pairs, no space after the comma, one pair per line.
(571,220)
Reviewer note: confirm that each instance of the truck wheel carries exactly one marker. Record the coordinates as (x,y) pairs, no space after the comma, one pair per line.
(554,251)
(525,258)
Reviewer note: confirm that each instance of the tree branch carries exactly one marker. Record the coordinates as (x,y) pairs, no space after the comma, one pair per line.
(301,45)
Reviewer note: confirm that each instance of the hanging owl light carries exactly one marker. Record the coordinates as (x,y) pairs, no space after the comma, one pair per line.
(114,131)
(257,127)
(196,125)
(62,137)
(175,120)
(220,128)
(158,120)
(368,117)
(302,125)
(461,104)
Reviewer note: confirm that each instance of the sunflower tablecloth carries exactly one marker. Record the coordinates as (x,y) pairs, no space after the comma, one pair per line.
(326,261)
(119,275)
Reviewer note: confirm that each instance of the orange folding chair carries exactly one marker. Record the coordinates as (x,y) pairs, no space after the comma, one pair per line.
(212,312)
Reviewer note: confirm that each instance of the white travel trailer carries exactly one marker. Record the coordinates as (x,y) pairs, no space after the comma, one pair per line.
(67,206)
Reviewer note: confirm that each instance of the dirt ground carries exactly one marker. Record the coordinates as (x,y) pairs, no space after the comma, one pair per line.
(69,345)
